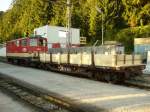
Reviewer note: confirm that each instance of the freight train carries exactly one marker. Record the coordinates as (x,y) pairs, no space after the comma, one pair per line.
(104,63)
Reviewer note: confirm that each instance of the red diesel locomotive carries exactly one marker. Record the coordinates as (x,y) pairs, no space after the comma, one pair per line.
(26,49)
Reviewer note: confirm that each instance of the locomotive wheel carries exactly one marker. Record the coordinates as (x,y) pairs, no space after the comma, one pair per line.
(42,66)
(96,76)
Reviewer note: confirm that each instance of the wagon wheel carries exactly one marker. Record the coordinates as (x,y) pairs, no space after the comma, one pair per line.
(105,77)
(114,77)
(96,76)
(130,73)
(42,66)
(100,76)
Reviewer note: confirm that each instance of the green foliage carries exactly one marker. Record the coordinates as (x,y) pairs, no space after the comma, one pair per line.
(123,20)
(136,12)
(24,15)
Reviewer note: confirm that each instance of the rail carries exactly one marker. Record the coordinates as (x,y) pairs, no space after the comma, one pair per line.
(40,101)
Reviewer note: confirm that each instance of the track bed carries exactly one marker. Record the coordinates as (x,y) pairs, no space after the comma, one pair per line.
(9,104)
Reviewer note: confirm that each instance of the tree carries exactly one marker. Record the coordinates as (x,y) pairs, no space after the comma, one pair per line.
(136,12)
(121,18)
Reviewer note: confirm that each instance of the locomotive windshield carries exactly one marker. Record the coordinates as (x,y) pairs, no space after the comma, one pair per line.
(42,42)
(38,42)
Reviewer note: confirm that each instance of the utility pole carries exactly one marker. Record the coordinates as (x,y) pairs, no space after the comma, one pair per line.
(102,30)
(100,11)
(69,23)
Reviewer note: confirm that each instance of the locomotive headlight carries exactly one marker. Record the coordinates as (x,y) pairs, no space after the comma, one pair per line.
(38,49)
(24,49)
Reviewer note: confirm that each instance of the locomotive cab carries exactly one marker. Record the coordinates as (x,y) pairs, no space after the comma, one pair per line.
(26,48)
(38,44)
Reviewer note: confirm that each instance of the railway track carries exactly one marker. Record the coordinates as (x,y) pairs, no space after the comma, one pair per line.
(37,100)
(139,82)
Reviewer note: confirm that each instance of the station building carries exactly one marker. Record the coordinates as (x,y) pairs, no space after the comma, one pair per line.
(142,46)
(57,36)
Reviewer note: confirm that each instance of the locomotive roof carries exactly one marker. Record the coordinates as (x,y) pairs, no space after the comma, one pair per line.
(35,37)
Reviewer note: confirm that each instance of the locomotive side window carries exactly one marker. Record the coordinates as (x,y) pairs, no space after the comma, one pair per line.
(24,42)
(17,43)
(33,42)
(9,44)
